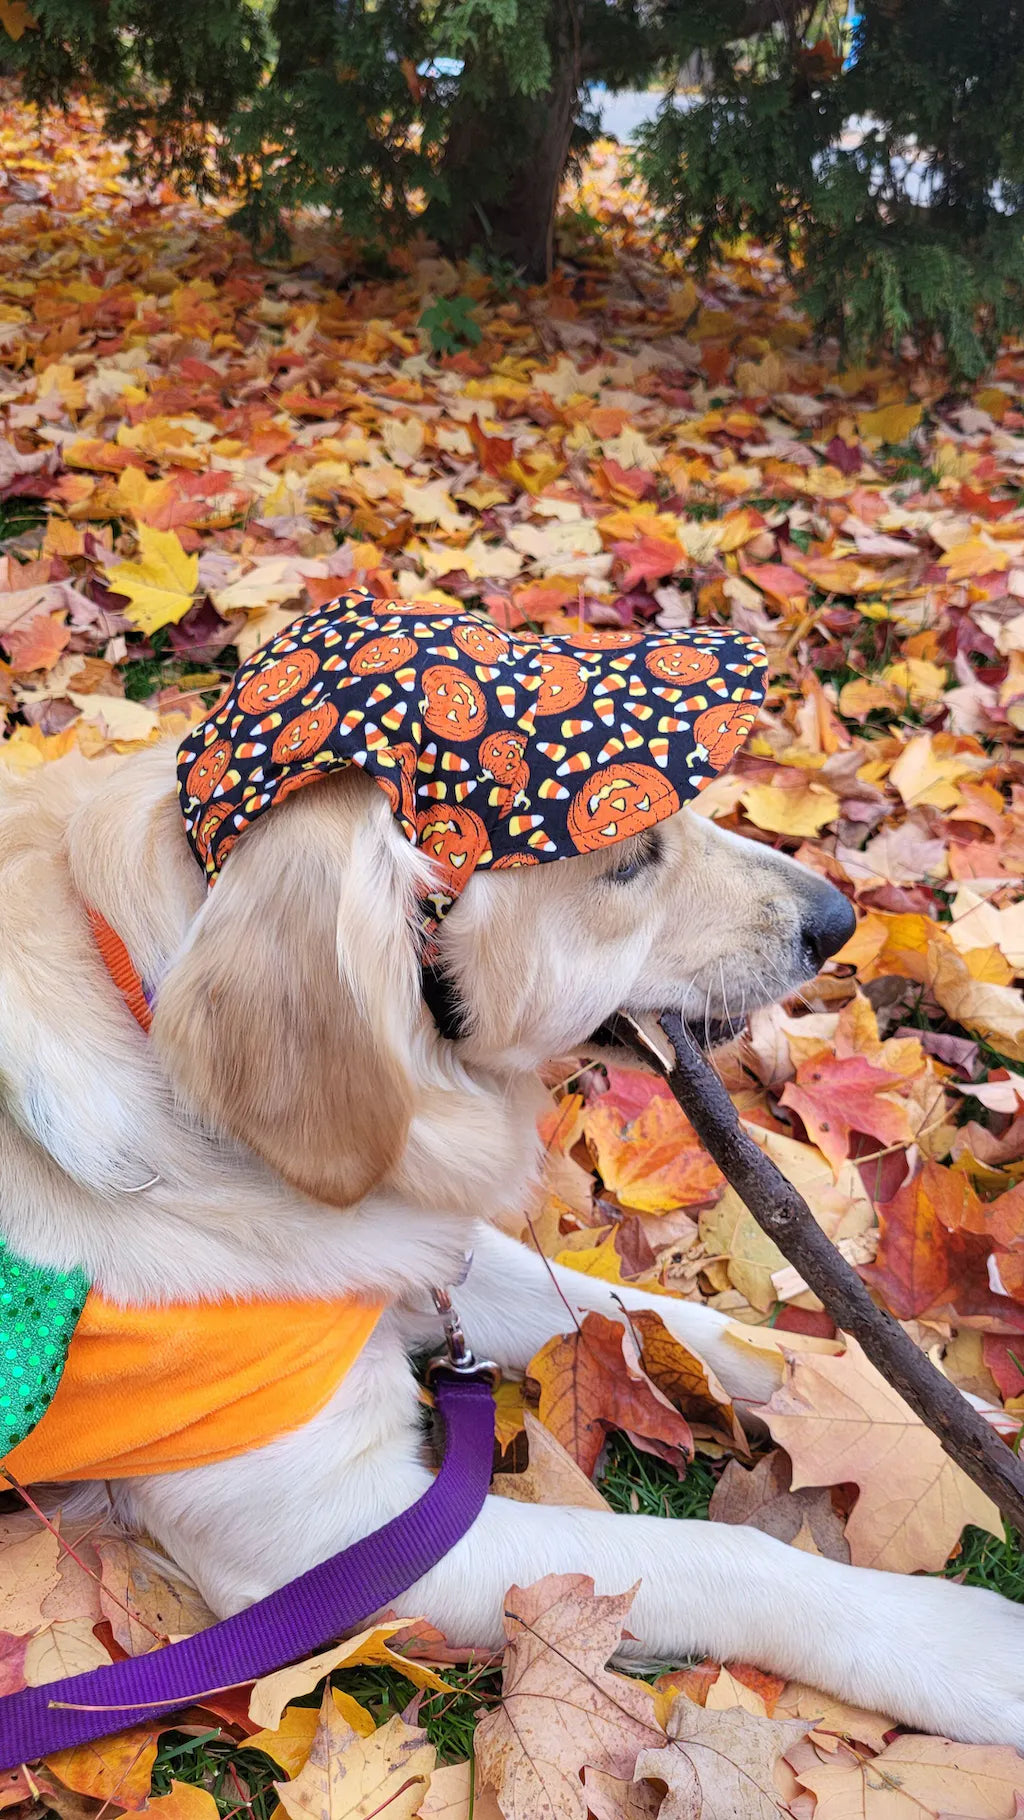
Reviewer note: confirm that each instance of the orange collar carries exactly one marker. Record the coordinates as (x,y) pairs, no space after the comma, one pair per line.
(122,969)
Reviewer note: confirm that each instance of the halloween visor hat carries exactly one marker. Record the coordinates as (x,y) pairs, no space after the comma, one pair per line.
(494,749)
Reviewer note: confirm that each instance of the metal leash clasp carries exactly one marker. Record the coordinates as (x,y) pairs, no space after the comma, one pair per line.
(458,1357)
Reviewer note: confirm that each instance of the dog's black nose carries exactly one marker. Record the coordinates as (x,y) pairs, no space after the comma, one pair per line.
(827,923)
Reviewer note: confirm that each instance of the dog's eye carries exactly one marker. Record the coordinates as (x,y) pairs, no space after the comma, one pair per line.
(635,858)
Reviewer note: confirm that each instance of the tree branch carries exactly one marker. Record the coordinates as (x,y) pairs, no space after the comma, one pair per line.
(785,1216)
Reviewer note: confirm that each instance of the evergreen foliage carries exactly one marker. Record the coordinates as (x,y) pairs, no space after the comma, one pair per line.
(893,185)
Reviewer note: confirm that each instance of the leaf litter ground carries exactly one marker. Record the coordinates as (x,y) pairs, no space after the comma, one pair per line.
(197,446)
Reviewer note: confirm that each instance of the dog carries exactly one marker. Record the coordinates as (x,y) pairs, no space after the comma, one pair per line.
(296,1127)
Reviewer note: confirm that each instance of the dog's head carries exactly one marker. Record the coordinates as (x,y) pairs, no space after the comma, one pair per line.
(294,1017)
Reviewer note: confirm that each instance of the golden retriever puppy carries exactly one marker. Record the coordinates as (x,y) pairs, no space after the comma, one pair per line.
(295,1127)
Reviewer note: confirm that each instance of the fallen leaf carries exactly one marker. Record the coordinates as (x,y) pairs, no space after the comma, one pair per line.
(561,1709)
(117,1769)
(762,1498)
(68,1647)
(184,1802)
(651,1157)
(351,1778)
(552,1476)
(588,1385)
(719,1765)
(916,1776)
(842,1423)
(161,585)
(835,1095)
(272,1693)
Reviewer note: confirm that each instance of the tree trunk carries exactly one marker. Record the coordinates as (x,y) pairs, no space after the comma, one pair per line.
(526,140)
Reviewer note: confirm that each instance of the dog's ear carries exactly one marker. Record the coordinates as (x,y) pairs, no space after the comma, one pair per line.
(286,1019)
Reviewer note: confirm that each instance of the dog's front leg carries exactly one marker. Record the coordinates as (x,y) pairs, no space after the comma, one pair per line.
(948,1658)
(513,1301)
(940,1657)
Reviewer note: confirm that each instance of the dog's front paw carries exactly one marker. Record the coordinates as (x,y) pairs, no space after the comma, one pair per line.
(955,1656)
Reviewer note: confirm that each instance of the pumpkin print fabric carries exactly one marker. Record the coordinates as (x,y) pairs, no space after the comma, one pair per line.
(494,749)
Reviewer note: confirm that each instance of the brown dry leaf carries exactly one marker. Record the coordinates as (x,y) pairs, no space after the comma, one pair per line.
(830,1716)
(561,1709)
(841,1423)
(351,1778)
(719,1765)
(117,1769)
(589,1383)
(761,1498)
(29,1570)
(144,1600)
(272,1693)
(68,1647)
(916,1778)
(184,1802)
(685,1379)
(454,1795)
(552,1476)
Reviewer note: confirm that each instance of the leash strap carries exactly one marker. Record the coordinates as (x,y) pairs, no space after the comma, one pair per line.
(294,1622)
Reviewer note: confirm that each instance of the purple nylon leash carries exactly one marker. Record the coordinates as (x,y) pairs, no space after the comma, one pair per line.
(293,1622)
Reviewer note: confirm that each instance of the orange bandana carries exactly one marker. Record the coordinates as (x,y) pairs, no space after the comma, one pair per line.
(151,1390)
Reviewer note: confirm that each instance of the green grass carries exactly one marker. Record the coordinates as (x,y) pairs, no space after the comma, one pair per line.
(991,1561)
(640,1484)
(238,1779)
(20,514)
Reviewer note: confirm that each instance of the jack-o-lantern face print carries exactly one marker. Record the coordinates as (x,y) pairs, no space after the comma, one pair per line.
(291,784)
(511,862)
(208,770)
(563,682)
(454,704)
(455,838)
(618,802)
(278,682)
(604,638)
(207,826)
(305,734)
(480,642)
(398,784)
(380,656)
(678,664)
(722,731)
(503,757)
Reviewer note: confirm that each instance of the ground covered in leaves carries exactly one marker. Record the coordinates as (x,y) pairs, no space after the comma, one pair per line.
(197,446)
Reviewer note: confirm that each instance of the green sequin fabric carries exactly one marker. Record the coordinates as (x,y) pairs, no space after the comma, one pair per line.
(39,1311)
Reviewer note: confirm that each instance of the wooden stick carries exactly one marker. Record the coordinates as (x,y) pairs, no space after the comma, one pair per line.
(785,1216)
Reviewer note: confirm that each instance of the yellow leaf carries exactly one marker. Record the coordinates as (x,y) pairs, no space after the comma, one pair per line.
(67,1647)
(272,1693)
(161,585)
(16,18)
(803,810)
(892,423)
(186,1802)
(975,557)
(290,1743)
(595,1260)
(353,1778)
(117,1769)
